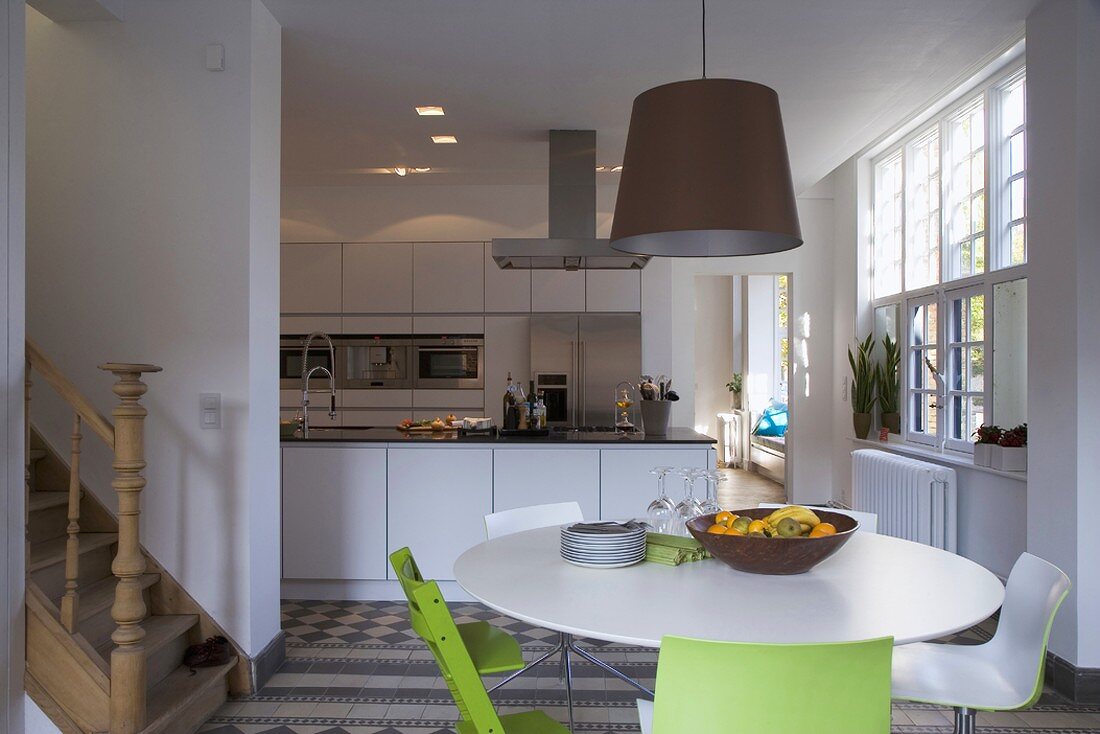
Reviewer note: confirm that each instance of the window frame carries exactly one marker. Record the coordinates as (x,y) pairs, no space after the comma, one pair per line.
(997,227)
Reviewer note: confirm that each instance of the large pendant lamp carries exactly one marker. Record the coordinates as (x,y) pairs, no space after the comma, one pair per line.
(706,172)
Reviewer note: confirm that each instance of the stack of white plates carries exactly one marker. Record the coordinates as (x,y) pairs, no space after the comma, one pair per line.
(603,550)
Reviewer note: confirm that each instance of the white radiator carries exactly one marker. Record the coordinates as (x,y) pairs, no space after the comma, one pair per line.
(913,499)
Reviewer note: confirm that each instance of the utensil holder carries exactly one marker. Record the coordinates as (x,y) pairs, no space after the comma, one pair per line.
(655,415)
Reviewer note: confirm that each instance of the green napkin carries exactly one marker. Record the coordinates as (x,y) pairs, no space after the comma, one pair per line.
(672,550)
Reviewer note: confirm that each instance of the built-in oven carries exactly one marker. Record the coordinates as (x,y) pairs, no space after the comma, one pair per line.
(290,360)
(449,362)
(375,361)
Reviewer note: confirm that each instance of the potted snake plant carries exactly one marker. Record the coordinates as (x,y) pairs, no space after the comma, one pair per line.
(888,385)
(863,386)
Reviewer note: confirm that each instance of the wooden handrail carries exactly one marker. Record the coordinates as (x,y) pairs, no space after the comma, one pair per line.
(95,420)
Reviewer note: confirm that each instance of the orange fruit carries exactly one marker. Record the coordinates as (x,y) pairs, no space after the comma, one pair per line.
(757,526)
(717,529)
(724,518)
(822,529)
(733,531)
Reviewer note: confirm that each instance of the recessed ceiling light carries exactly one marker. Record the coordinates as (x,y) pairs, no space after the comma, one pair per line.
(429,109)
(601,169)
(616,169)
(400,170)
(425,169)
(444,139)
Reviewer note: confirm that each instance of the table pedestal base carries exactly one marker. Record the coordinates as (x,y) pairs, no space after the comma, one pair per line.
(567,644)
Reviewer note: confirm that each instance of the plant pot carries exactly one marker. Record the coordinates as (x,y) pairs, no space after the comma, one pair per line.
(861,422)
(1009,458)
(983,454)
(735,401)
(892,421)
(655,416)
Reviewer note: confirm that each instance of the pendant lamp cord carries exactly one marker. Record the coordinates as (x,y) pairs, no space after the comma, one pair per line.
(704,39)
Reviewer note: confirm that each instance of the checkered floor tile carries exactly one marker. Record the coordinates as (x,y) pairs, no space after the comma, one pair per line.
(357,667)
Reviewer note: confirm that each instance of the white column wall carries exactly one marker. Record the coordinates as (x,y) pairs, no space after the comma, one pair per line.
(152,203)
(1063,114)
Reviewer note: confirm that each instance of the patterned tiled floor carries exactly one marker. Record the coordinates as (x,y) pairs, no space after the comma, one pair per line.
(357,668)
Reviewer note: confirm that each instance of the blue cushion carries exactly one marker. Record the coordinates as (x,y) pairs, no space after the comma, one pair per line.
(773,421)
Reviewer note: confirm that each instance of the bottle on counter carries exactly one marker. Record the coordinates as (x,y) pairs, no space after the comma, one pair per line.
(522,419)
(540,410)
(511,408)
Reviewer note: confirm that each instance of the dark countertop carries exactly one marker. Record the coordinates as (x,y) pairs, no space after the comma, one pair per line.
(392,435)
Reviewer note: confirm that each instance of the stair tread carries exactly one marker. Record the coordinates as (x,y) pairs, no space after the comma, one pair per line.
(38,454)
(96,597)
(160,629)
(52,551)
(168,698)
(46,500)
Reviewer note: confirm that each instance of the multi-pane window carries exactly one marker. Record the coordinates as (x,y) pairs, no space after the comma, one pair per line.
(965,165)
(888,207)
(924,400)
(965,364)
(949,236)
(922,210)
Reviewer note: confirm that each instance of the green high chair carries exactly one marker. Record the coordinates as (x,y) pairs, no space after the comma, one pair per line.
(833,688)
(464,653)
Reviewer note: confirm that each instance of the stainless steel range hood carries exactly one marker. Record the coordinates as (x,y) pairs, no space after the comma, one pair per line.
(572,244)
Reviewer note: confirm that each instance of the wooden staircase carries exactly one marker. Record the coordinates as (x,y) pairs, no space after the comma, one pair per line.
(106,626)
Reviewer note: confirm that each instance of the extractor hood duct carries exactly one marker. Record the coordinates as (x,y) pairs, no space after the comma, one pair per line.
(572,244)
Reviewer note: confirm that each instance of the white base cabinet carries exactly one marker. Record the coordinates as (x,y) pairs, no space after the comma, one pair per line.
(524,477)
(438,500)
(334,520)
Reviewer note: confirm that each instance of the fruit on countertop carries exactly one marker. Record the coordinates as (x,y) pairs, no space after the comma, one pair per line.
(791,521)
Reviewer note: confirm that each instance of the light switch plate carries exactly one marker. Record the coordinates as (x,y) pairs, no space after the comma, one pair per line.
(210,410)
(215,57)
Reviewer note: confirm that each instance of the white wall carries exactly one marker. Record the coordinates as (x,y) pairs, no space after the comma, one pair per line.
(1063,114)
(762,350)
(714,348)
(12,241)
(152,198)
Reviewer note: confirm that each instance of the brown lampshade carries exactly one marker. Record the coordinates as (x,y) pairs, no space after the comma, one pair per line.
(706,173)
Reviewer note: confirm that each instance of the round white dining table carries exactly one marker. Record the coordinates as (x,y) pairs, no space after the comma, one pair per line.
(874,586)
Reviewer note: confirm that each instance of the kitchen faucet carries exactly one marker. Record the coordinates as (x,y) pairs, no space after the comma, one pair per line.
(307,373)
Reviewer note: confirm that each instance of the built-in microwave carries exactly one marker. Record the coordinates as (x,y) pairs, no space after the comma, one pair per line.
(290,360)
(375,361)
(449,362)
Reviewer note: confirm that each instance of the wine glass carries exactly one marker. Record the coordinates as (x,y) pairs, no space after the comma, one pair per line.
(661,510)
(688,507)
(710,504)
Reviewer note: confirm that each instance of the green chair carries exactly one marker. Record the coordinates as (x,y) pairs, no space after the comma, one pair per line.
(492,650)
(828,688)
(453,647)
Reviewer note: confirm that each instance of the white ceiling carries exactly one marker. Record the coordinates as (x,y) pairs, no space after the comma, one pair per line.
(509,70)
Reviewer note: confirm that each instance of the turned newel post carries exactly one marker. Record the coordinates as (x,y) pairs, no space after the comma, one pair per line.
(127,712)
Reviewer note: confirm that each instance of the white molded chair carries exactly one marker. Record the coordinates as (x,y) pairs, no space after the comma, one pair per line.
(1003,674)
(868,521)
(507,522)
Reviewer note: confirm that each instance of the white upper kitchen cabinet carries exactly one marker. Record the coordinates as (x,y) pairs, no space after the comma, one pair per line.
(627,487)
(334,513)
(536,476)
(613,290)
(438,500)
(378,278)
(448,277)
(507,351)
(505,290)
(309,279)
(557,290)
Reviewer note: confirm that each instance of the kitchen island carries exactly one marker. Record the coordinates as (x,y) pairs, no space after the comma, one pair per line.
(352,496)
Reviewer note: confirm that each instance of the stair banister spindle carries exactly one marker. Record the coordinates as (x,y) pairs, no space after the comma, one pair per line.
(128,709)
(70,603)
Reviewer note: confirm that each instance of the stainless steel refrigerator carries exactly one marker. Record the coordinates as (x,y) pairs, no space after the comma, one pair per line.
(577,361)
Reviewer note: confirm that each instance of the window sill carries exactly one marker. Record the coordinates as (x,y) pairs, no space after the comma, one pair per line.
(950,458)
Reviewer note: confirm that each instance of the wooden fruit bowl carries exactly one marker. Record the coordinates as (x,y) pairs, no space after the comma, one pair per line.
(772,556)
